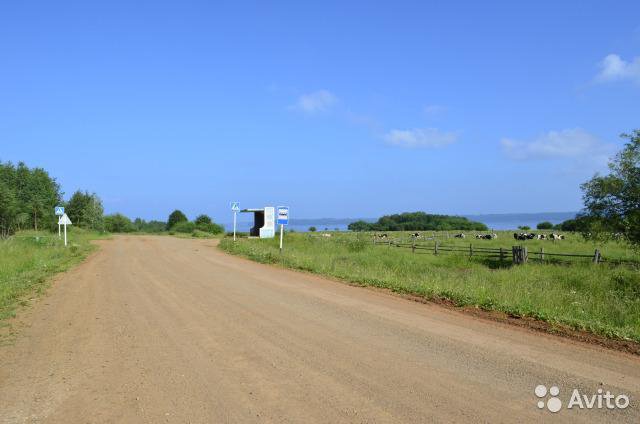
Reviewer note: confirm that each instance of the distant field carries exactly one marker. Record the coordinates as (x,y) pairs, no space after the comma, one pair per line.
(29,258)
(599,298)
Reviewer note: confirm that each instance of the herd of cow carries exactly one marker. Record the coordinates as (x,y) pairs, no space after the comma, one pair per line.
(493,236)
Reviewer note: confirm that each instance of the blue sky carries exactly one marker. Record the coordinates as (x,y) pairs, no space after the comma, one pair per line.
(341,109)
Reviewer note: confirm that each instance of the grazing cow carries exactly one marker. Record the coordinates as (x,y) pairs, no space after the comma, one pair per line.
(542,236)
(381,236)
(415,235)
(326,235)
(460,236)
(554,236)
(487,236)
(523,236)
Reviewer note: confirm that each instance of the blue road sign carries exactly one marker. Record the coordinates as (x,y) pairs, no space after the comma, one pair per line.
(283,215)
(59,210)
(235,206)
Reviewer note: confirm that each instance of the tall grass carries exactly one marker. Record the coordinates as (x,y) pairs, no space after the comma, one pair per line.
(29,258)
(597,298)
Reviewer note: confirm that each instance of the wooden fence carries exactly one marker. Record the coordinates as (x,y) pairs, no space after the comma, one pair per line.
(517,254)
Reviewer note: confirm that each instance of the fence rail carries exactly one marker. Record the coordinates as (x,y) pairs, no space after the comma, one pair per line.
(518,254)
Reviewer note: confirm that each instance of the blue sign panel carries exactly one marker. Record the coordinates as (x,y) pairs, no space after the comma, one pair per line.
(59,210)
(283,215)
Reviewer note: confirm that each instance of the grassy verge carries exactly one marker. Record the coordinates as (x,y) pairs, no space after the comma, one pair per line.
(28,259)
(596,298)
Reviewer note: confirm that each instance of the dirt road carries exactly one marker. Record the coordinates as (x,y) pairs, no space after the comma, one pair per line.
(159,329)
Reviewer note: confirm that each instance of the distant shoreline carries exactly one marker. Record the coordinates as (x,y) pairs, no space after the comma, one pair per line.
(496,221)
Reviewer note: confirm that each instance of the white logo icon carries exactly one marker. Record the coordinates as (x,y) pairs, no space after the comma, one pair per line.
(554,404)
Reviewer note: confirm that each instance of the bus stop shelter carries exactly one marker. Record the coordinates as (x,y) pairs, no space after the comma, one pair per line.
(263,222)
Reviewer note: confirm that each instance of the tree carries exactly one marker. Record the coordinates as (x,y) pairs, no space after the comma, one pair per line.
(202,220)
(175,217)
(524,228)
(118,223)
(312,229)
(85,210)
(545,225)
(612,202)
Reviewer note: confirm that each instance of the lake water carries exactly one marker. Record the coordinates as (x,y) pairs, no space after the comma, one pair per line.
(502,221)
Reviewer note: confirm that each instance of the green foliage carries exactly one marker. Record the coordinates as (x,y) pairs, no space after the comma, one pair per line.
(313,229)
(184,227)
(545,225)
(85,210)
(175,217)
(27,198)
(152,226)
(202,219)
(524,228)
(418,221)
(118,223)
(211,228)
(612,202)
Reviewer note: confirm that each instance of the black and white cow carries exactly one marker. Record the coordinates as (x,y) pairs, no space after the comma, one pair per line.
(460,236)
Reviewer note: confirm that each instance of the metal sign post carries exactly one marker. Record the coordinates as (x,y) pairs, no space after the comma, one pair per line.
(59,211)
(283,219)
(64,220)
(235,207)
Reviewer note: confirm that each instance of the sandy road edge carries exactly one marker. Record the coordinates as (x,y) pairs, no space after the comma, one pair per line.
(531,324)
(10,327)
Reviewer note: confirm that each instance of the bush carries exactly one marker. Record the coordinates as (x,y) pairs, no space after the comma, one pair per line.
(176,217)
(313,229)
(418,221)
(184,227)
(210,227)
(118,223)
(203,219)
(524,228)
(546,225)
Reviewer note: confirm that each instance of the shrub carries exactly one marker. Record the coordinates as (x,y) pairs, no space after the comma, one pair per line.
(203,219)
(184,227)
(546,225)
(210,227)
(313,229)
(118,223)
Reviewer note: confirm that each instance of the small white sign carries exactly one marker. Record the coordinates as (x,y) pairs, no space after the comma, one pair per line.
(235,206)
(64,220)
(59,210)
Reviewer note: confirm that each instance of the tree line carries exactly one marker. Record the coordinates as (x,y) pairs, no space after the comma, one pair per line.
(418,221)
(28,197)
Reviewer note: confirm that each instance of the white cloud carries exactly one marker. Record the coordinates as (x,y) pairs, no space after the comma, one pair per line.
(569,144)
(420,138)
(614,68)
(318,101)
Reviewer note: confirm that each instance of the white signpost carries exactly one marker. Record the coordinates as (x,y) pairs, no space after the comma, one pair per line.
(64,220)
(235,207)
(59,211)
(283,219)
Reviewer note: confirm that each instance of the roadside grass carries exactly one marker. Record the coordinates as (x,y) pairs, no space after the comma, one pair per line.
(598,298)
(29,259)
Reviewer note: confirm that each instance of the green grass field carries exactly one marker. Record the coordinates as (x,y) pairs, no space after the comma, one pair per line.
(599,298)
(28,259)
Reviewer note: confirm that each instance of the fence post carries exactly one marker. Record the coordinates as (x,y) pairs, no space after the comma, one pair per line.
(435,248)
(520,254)
(413,246)
(501,254)
(541,254)
(470,249)
(597,257)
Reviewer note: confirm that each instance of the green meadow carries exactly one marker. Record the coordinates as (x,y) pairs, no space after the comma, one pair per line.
(600,298)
